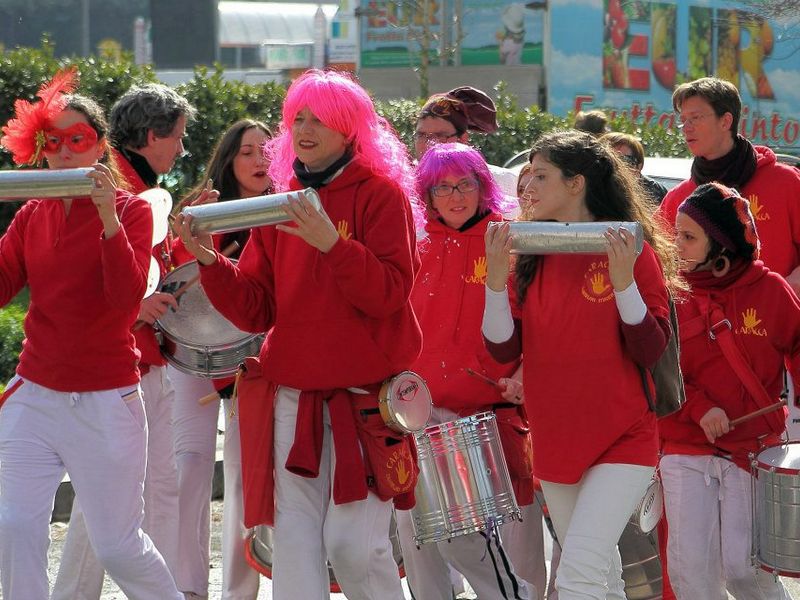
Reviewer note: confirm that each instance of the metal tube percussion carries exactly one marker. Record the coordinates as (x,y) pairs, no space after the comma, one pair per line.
(45,183)
(545,237)
(235,215)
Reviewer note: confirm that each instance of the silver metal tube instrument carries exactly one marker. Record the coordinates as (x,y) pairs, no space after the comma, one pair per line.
(546,237)
(25,184)
(235,215)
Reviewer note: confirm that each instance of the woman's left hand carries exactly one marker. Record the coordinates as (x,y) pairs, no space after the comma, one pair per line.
(104,197)
(312,225)
(513,391)
(621,257)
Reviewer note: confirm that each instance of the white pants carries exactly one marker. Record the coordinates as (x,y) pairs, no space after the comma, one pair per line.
(708,504)
(80,576)
(310,528)
(589,518)
(489,568)
(100,439)
(195,453)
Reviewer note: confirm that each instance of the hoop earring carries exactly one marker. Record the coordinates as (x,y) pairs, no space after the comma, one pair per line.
(721,266)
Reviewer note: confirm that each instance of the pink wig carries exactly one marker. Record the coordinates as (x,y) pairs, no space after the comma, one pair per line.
(343,105)
(459,160)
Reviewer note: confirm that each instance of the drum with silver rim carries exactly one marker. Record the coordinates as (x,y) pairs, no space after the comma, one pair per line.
(650,508)
(463,485)
(197,339)
(776,509)
(405,402)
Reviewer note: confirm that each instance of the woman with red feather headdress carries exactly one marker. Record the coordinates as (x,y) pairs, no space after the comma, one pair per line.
(74,404)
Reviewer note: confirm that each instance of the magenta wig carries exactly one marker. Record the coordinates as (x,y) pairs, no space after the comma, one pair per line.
(343,105)
(458,160)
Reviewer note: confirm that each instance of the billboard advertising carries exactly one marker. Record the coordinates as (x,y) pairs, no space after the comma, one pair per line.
(632,53)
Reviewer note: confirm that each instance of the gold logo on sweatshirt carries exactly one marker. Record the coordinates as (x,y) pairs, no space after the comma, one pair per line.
(478,271)
(342,230)
(596,283)
(758,210)
(750,324)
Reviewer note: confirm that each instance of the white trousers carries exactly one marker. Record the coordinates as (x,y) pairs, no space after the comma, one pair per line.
(708,504)
(589,518)
(80,576)
(310,528)
(100,439)
(195,453)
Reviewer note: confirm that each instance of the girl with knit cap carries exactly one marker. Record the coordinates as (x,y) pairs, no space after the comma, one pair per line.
(735,303)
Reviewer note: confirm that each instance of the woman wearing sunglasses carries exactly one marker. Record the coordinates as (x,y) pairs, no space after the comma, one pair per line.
(75,404)
(462,197)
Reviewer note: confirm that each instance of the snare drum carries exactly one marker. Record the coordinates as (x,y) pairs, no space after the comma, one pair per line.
(258,553)
(651,507)
(776,509)
(197,339)
(463,486)
(405,402)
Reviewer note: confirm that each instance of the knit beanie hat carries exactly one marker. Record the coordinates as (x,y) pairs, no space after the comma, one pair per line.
(465,107)
(725,217)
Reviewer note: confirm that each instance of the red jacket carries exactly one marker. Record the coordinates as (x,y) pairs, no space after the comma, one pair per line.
(334,320)
(85,291)
(145,335)
(765,320)
(583,389)
(774,195)
(448,298)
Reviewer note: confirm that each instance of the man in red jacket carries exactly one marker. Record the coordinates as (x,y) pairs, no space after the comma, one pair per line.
(148,124)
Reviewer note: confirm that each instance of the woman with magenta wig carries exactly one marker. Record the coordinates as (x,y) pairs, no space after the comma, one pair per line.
(332,290)
(462,197)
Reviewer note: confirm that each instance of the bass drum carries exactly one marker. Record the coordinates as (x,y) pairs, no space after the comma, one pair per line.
(641,565)
(258,552)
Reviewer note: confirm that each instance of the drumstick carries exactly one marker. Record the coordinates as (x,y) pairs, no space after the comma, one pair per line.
(229,249)
(208,399)
(484,379)
(757,413)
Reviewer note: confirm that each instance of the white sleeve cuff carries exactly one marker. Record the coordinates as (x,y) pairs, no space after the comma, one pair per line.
(498,324)
(631,307)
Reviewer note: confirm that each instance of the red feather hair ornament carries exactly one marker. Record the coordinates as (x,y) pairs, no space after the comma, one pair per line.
(23,135)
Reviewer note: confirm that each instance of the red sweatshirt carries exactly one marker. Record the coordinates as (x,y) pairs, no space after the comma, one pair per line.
(765,320)
(145,335)
(448,298)
(583,390)
(774,195)
(85,291)
(336,319)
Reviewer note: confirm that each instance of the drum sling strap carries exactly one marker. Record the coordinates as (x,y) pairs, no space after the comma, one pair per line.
(721,331)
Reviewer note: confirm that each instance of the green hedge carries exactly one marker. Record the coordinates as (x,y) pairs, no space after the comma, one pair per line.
(11,335)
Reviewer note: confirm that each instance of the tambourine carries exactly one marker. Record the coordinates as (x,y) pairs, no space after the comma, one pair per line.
(161,204)
(405,402)
(153,277)
(651,507)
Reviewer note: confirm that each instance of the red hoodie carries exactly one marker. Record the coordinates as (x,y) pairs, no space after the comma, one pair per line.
(335,320)
(765,320)
(774,195)
(85,291)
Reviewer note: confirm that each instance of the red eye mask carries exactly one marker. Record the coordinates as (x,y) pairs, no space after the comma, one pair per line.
(79,138)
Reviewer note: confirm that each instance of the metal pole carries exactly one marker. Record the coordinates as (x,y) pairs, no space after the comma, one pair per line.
(85,42)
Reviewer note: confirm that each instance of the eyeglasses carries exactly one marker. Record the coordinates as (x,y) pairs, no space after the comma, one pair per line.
(79,138)
(693,121)
(434,138)
(466,186)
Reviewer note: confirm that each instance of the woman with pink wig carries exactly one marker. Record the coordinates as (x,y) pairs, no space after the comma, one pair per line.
(332,290)
(462,198)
